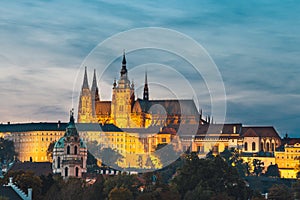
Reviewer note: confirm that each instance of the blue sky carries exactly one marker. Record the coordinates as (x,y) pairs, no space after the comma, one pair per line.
(255,44)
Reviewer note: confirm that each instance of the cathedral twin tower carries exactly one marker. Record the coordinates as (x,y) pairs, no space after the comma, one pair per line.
(119,111)
(125,111)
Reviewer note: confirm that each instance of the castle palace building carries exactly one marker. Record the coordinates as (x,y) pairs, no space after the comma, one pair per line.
(125,111)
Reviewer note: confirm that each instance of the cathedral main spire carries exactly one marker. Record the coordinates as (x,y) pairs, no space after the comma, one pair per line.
(85,84)
(146,89)
(124,69)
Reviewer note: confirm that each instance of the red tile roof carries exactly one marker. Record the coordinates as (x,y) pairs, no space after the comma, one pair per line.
(260,131)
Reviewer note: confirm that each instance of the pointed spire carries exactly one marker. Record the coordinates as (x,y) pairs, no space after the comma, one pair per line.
(124,59)
(94,90)
(146,89)
(123,70)
(71,128)
(85,84)
(94,84)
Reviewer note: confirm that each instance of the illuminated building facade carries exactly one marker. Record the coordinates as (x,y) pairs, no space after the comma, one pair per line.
(288,161)
(125,111)
(260,139)
(31,140)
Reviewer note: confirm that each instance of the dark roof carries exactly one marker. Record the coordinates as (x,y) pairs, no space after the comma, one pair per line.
(259,131)
(170,107)
(8,192)
(290,141)
(219,128)
(250,133)
(97,127)
(48,126)
(39,168)
(24,127)
(203,129)
(149,130)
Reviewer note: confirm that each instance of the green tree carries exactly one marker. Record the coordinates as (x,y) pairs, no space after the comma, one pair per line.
(122,180)
(91,162)
(296,190)
(25,180)
(258,167)
(95,191)
(110,157)
(70,189)
(50,150)
(120,194)
(232,157)
(166,154)
(7,150)
(209,177)
(47,182)
(280,192)
(140,161)
(256,195)
(273,171)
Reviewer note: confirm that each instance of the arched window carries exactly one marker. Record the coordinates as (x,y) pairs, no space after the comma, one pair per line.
(76,171)
(68,150)
(262,146)
(58,162)
(268,146)
(66,171)
(75,150)
(273,147)
(246,146)
(253,146)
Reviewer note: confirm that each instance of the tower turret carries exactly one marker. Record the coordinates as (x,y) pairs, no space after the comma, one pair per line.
(85,114)
(124,69)
(122,98)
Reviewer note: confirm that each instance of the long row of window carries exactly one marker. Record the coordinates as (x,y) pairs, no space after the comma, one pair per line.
(263,147)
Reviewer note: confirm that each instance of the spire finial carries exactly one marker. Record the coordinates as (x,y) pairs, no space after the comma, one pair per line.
(72,116)
(124,59)
(146,89)
(123,70)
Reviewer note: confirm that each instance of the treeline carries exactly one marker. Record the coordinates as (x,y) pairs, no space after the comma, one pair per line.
(189,178)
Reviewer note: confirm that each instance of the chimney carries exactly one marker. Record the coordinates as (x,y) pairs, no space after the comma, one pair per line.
(10,181)
(29,193)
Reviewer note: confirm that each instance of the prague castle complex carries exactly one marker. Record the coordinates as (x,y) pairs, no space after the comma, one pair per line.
(135,128)
(125,111)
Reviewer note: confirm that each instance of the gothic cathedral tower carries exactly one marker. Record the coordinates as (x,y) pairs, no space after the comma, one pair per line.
(122,99)
(85,108)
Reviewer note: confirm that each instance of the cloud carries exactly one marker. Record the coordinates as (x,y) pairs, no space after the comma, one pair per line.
(255,45)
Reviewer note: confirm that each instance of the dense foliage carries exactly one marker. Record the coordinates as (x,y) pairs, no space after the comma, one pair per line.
(188,178)
(7,151)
